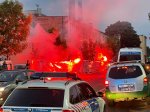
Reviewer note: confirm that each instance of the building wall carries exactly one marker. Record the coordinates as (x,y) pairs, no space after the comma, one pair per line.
(143,44)
(48,22)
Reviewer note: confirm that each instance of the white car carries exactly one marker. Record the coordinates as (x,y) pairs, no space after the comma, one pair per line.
(127,81)
(51,94)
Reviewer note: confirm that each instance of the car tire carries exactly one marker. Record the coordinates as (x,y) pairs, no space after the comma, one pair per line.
(110,103)
(148,100)
(104,109)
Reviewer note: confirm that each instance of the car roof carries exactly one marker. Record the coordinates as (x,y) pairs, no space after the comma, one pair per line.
(18,70)
(58,83)
(130,49)
(126,63)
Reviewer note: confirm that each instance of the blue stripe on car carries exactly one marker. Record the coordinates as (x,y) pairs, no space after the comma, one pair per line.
(94,106)
(28,110)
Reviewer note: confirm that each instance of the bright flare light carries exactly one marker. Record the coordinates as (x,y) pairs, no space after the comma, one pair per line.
(77,60)
(105,58)
(2,89)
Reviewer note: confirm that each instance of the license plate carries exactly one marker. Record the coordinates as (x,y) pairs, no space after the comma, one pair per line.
(126,87)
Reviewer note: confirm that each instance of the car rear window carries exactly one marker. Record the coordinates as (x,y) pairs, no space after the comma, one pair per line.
(130,57)
(125,72)
(36,97)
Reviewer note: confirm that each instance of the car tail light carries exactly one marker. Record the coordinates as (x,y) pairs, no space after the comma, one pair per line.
(145,80)
(106,83)
(1,110)
(48,78)
(69,110)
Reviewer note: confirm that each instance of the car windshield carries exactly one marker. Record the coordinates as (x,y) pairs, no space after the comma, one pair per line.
(7,76)
(125,72)
(128,56)
(36,97)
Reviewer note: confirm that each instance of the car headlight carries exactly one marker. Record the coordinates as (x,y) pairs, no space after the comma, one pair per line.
(2,89)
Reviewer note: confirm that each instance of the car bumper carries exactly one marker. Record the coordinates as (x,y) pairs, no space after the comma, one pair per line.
(126,96)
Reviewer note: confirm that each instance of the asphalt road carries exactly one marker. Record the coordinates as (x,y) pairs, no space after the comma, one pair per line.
(97,82)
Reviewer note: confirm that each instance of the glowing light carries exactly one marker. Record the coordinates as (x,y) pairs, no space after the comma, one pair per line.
(146,79)
(147,67)
(51,64)
(70,66)
(100,55)
(106,83)
(58,66)
(77,60)
(105,58)
(2,89)
(32,61)
(48,78)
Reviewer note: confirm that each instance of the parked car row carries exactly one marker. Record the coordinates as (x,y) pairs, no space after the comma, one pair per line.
(9,79)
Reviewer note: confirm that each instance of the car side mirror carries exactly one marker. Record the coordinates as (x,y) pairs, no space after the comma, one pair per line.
(100,94)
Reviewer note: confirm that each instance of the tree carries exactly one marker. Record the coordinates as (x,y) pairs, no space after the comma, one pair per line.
(14,28)
(59,40)
(125,32)
(113,43)
(88,49)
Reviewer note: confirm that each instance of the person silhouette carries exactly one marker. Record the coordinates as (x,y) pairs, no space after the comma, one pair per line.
(4,65)
(27,64)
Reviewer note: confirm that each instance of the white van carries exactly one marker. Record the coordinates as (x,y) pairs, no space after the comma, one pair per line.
(131,54)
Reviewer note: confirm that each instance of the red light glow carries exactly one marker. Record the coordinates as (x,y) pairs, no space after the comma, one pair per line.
(48,78)
(145,79)
(77,60)
(106,83)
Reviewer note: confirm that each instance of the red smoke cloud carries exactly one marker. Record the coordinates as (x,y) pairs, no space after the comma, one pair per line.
(41,46)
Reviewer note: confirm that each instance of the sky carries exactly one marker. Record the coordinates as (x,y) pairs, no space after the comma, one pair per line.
(101,13)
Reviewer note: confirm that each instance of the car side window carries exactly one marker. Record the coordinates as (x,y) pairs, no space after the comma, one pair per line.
(74,97)
(86,91)
(29,73)
(22,76)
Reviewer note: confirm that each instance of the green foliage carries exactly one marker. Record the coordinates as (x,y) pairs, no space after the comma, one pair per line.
(59,40)
(126,33)
(113,44)
(14,28)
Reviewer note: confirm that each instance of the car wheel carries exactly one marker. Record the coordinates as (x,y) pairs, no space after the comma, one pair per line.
(110,102)
(104,109)
(148,100)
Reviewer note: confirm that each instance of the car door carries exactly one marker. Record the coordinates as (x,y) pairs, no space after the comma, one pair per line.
(22,76)
(29,73)
(88,94)
(78,104)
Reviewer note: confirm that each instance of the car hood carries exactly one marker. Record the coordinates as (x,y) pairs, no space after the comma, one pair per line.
(3,84)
